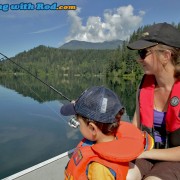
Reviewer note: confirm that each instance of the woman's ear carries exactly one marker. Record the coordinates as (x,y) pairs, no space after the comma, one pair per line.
(167,56)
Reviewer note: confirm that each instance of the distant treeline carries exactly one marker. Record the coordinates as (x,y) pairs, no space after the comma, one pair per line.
(53,61)
(43,61)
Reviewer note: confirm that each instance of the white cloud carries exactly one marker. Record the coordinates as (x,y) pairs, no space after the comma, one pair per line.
(118,23)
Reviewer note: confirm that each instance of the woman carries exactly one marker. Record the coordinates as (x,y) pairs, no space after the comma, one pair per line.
(158,103)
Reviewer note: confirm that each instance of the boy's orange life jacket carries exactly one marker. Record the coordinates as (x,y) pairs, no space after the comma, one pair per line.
(146,106)
(115,155)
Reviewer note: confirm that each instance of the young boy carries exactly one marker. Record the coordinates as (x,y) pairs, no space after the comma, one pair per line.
(108,145)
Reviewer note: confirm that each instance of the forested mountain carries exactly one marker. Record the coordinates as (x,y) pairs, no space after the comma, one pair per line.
(74,45)
(44,60)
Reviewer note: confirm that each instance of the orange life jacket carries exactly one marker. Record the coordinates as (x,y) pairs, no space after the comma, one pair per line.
(146,104)
(115,155)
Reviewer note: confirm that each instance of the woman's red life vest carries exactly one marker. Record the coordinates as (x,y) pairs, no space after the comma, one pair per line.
(115,154)
(146,106)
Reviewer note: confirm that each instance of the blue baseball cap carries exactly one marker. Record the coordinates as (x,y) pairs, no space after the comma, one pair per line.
(97,103)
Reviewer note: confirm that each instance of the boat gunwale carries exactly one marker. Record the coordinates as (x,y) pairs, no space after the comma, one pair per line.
(37,166)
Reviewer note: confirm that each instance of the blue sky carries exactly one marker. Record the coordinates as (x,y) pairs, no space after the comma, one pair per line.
(93,21)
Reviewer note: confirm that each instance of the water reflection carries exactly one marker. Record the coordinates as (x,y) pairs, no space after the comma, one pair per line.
(31,132)
(31,128)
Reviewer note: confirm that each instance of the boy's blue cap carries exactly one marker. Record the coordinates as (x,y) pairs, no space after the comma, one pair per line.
(97,103)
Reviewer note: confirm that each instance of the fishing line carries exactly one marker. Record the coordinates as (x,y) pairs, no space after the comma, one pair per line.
(44,100)
(72,122)
(51,87)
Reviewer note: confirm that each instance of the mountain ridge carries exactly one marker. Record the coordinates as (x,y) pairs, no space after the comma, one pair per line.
(75,44)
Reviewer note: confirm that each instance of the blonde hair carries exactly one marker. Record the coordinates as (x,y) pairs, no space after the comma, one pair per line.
(175,57)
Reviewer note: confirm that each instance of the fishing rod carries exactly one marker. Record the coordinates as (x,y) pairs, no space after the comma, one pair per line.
(51,87)
(72,122)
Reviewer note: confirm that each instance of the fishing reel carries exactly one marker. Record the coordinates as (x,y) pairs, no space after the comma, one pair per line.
(73,122)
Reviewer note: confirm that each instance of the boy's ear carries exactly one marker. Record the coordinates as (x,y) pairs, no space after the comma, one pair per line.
(93,128)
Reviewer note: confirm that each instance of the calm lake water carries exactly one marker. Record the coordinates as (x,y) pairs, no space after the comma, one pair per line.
(31,127)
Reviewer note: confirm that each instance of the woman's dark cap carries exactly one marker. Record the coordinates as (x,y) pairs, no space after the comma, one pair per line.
(161,33)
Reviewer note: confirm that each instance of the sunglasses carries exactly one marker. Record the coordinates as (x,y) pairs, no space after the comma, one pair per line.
(143,53)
